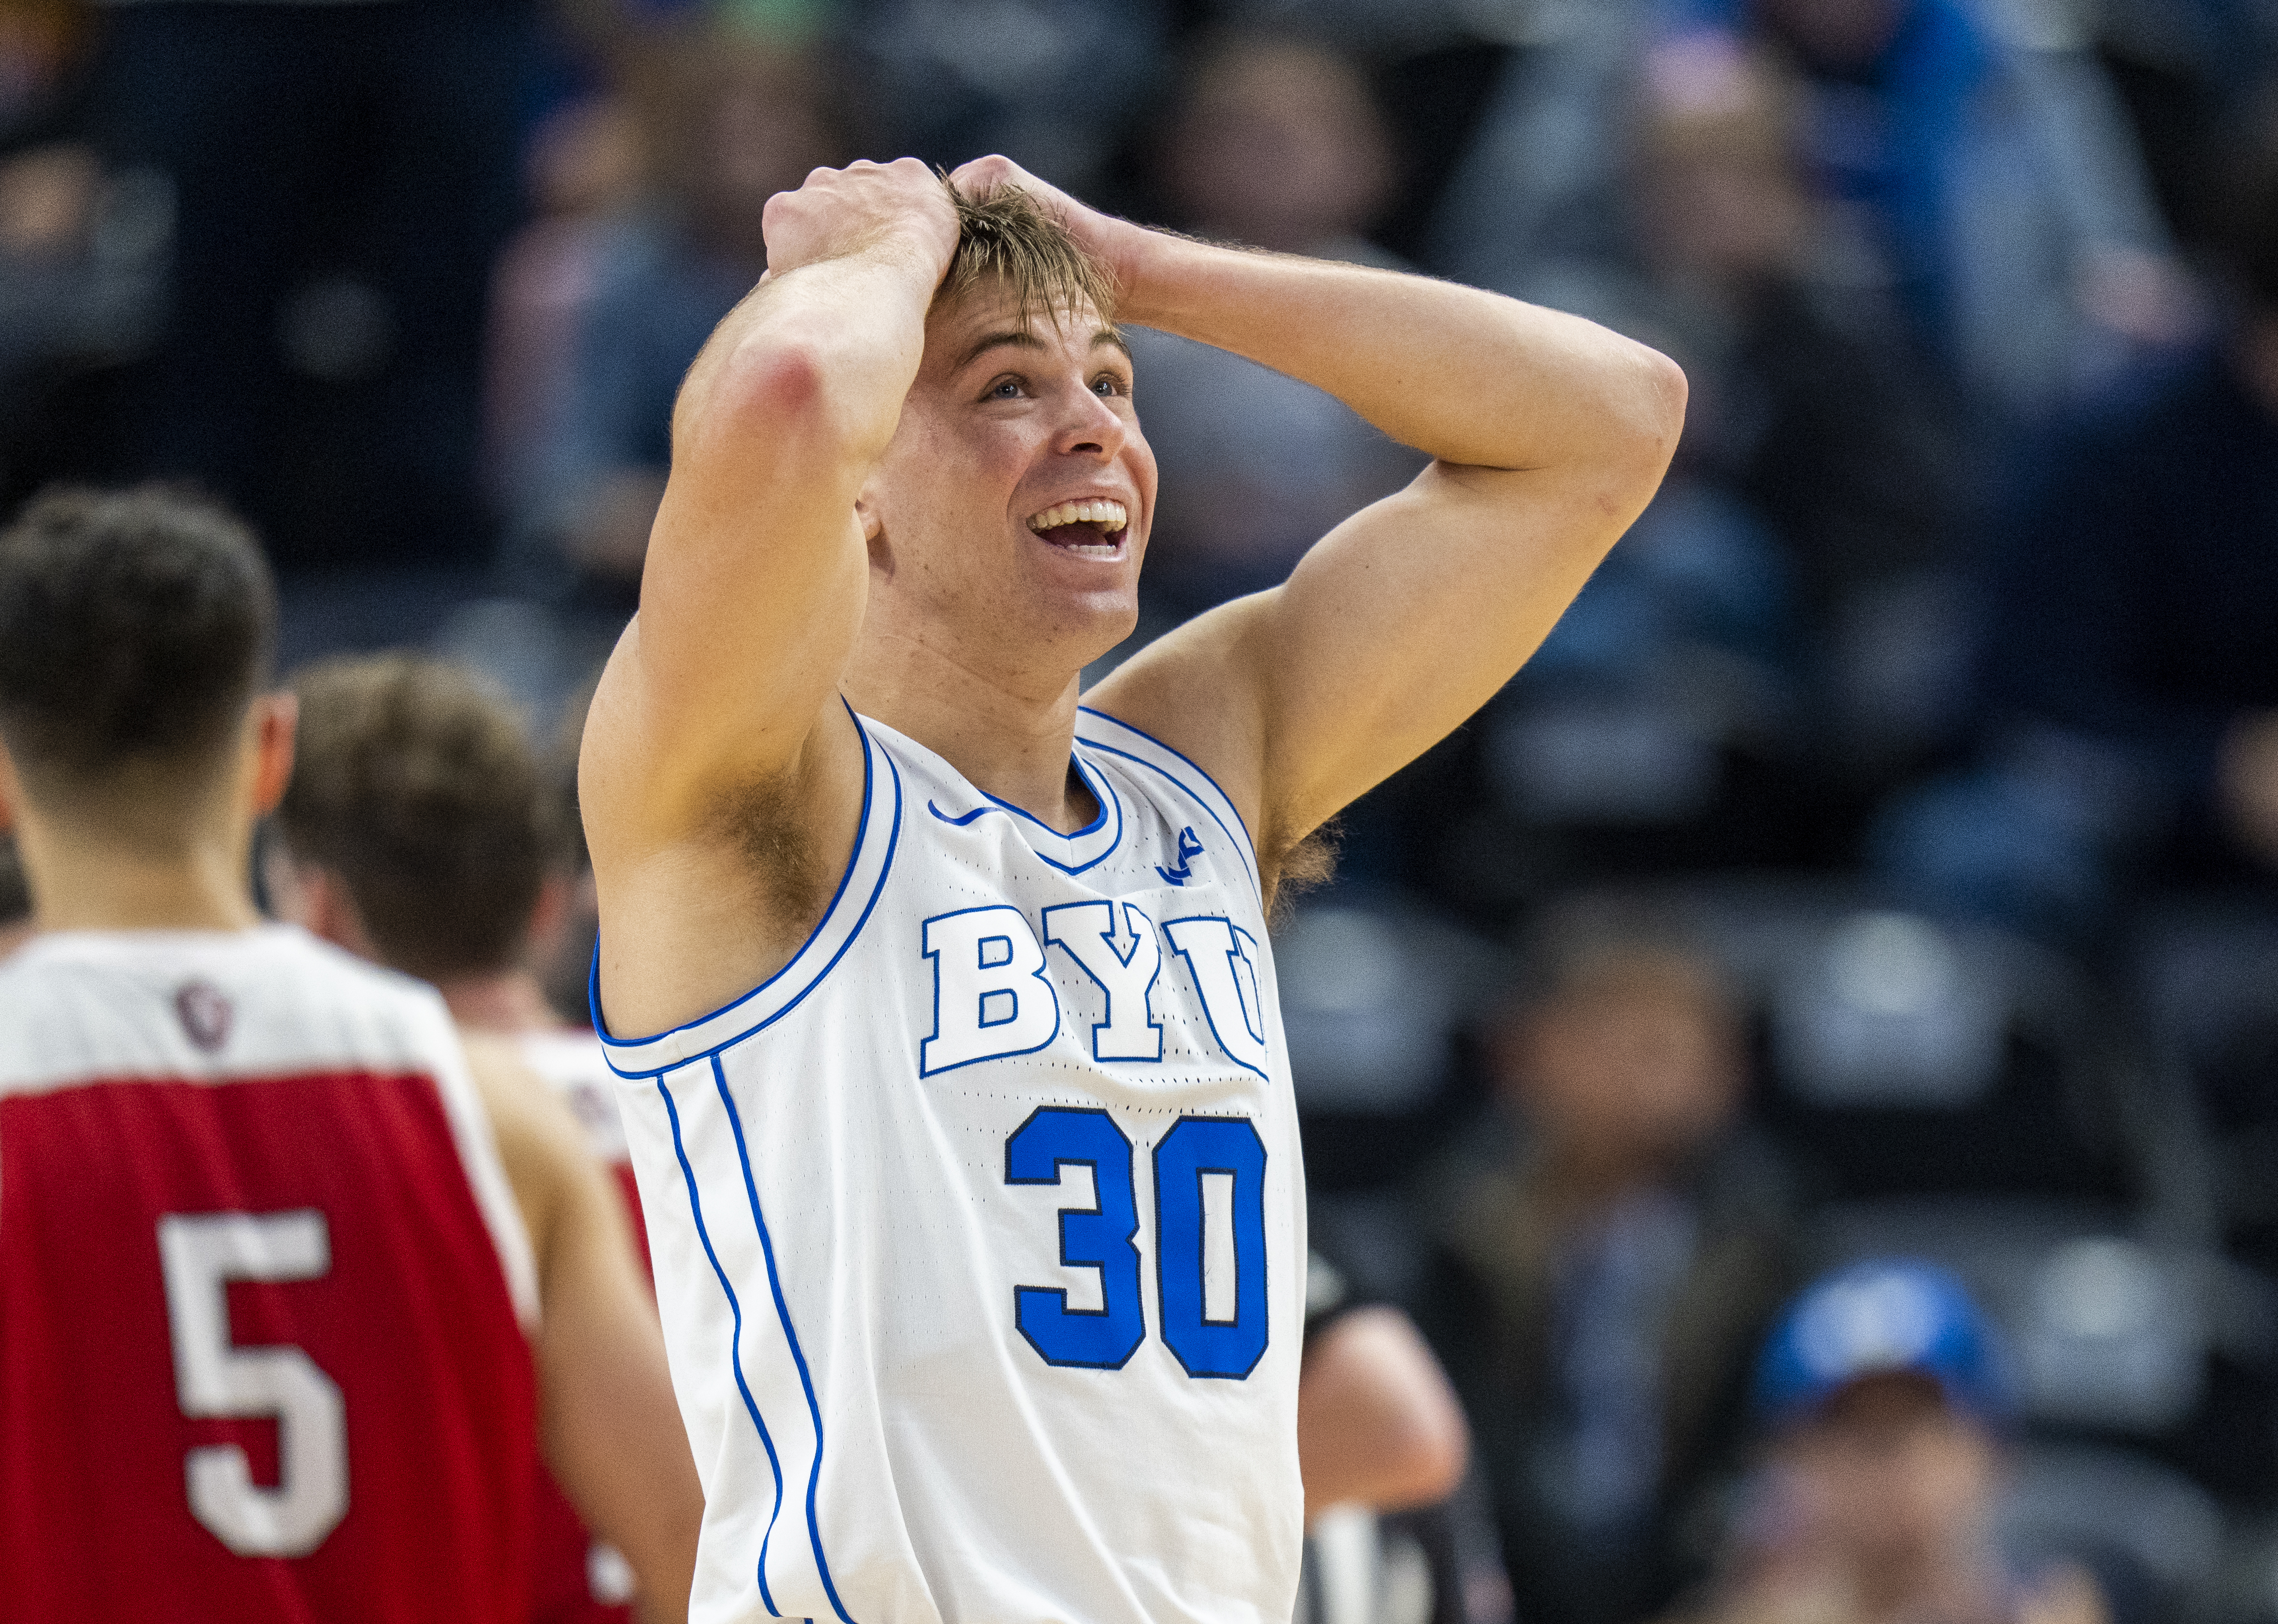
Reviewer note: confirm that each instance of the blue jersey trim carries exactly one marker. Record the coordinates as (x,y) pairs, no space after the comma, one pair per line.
(998,804)
(1102,791)
(863,838)
(783,1313)
(735,1341)
(1250,867)
(1200,770)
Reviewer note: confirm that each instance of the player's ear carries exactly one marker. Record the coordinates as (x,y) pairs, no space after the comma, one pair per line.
(865,513)
(275,718)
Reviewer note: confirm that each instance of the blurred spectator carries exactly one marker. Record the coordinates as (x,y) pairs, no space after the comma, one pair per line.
(2131,675)
(729,120)
(43,47)
(1806,406)
(1274,142)
(584,170)
(1990,189)
(83,249)
(1599,1292)
(1749,614)
(1877,1497)
(15,897)
(1051,84)
(343,177)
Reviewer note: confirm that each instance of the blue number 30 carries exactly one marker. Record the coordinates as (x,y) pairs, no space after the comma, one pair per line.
(1101,1237)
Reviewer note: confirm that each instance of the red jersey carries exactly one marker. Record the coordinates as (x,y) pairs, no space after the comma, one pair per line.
(579,1580)
(263,1292)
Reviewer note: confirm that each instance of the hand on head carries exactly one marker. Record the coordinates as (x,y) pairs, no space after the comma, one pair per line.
(842,211)
(1115,243)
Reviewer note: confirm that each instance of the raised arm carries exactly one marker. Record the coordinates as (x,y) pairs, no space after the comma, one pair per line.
(754,583)
(1549,435)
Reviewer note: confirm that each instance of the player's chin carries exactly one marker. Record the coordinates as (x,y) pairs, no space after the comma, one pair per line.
(1099,607)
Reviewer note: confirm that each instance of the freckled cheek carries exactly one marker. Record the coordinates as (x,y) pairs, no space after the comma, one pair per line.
(999,465)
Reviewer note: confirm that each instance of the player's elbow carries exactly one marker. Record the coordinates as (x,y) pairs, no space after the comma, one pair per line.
(1377,1422)
(1669,390)
(780,394)
(1646,404)
(1425,1454)
(1434,1447)
(767,384)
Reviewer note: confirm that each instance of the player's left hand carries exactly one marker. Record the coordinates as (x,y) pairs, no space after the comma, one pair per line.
(1117,244)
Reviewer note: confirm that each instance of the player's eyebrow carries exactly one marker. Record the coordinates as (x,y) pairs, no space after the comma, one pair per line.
(1021,338)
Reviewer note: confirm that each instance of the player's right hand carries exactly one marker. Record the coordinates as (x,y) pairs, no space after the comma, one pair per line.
(900,207)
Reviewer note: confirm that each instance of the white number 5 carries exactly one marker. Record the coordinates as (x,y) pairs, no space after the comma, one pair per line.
(201,1254)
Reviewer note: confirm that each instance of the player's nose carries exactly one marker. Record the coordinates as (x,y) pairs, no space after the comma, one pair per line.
(1089,425)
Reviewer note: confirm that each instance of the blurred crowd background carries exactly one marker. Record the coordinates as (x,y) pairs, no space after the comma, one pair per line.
(1880,857)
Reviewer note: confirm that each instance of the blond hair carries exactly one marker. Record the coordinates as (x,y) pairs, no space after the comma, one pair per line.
(1006,237)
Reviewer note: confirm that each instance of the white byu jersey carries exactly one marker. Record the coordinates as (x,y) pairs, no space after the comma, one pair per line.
(979,1228)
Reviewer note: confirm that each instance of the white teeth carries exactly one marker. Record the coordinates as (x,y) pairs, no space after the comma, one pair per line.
(1111,515)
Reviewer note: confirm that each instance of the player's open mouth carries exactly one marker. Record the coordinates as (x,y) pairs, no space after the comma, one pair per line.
(1088,529)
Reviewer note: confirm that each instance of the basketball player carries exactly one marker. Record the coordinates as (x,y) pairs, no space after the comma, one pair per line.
(275,1251)
(417,832)
(954,1072)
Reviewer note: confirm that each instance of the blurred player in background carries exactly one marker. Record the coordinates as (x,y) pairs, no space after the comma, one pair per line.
(955,1080)
(276,1248)
(417,832)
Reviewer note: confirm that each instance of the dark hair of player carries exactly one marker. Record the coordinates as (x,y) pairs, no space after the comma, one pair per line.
(415,785)
(134,628)
(1007,237)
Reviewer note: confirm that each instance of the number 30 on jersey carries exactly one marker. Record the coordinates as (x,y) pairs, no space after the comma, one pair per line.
(1209,1276)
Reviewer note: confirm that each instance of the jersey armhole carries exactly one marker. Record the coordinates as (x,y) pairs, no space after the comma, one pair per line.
(877,834)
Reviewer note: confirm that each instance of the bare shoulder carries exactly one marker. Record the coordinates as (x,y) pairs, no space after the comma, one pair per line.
(539,1142)
(1191,689)
(516,1098)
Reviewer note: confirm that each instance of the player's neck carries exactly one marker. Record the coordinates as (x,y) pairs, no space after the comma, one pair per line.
(84,884)
(1011,740)
(507,1003)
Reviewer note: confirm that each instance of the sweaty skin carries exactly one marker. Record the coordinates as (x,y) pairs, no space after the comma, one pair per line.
(855,474)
